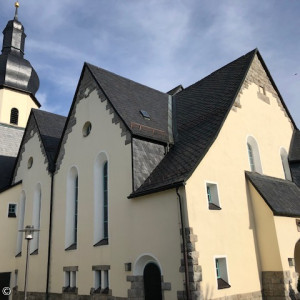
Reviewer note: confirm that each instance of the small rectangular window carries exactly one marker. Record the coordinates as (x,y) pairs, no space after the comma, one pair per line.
(291,262)
(221,273)
(262,90)
(212,196)
(12,210)
(101,282)
(70,281)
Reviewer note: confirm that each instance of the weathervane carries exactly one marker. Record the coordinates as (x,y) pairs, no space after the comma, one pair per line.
(16,12)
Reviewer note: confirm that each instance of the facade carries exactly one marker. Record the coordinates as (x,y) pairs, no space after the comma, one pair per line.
(140,194)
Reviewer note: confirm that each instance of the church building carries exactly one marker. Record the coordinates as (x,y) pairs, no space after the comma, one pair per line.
(141,194)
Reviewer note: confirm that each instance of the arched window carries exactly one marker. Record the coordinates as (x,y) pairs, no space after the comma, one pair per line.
(72,210)
(101,200)
(21,215)
(14,116)
(285,164)
(253,155)
(34,244)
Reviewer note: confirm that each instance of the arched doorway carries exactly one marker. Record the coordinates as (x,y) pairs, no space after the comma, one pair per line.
(152,282)
(297,257)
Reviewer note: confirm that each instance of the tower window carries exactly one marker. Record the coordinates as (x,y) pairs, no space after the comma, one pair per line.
(14,116)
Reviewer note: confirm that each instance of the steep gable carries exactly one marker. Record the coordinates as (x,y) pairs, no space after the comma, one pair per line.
(199,114)
(129,98)
(49,128)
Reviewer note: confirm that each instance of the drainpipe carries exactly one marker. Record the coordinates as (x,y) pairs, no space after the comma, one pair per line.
(185,256)
(50,235)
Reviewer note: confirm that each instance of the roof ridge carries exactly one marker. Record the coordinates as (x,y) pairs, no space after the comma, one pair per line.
(253,52)
(123,77)
(35,110)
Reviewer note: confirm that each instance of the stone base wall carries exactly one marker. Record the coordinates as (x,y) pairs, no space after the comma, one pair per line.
(63,296)
(195,271)
(278,286)
(246,296)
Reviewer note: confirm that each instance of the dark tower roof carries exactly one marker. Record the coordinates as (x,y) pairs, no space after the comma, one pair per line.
(15,71)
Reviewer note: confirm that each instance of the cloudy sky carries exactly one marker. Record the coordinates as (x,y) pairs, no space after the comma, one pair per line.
(160,43)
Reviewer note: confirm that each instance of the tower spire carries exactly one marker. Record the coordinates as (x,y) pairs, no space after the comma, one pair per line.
(16,12)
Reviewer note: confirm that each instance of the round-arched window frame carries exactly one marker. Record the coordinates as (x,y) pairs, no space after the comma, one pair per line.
(86,129)
(30,162)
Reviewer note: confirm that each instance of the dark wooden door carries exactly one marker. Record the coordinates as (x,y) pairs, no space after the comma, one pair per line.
(152,282)
(4,283)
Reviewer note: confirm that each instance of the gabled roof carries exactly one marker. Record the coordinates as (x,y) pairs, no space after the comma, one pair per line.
(50,127)
(294,154)
(128,98)
(200,111)
(282,196)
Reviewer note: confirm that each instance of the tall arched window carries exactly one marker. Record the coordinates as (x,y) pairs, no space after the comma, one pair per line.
(14,116)
(285,164)
(34,244)
(253,155)
(72,209)
(21,215)
(101,200)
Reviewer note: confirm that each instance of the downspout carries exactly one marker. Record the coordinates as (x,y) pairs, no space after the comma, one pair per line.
(185,256)
(50,235)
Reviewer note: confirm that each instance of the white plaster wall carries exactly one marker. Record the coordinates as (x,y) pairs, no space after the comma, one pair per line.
(144,225)
(231,231)
(36,175)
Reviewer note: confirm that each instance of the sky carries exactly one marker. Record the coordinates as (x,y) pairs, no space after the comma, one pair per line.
(159,43)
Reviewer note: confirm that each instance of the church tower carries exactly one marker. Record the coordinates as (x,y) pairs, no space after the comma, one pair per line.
(18,80)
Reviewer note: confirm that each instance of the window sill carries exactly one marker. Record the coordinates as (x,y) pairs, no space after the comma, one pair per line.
(98,291)
(222,284)
(19,254)
(213,206)
(70,290)
(101,243)
(72,247)
(12,216)
(35,252)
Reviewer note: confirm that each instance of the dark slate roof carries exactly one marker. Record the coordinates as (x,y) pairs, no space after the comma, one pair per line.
(294,154)
(129,97)
(6,167)
(50,127)
(282,196)
(200,111)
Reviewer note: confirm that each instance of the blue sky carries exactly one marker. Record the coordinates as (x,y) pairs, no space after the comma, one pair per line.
(160,43)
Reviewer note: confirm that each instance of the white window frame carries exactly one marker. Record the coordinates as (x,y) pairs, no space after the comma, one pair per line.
(255,153)
(215,193)
(227,277)
(99,226)
(70,230)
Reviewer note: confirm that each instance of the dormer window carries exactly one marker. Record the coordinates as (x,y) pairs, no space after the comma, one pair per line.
(145,114)
(14,116)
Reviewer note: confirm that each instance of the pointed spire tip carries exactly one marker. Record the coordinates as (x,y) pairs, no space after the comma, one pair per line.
(16,12)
